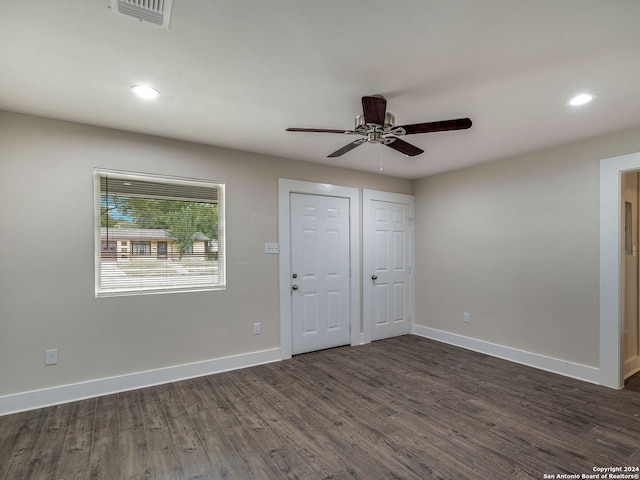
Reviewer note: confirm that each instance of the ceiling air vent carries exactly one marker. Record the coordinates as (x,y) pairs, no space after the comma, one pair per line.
(153,11)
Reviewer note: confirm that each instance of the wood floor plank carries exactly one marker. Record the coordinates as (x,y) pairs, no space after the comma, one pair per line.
(436,416)
(74,462)
(187,444)
(341,407)
(255,439)
(162,461)
(104,462)
(9,425)
(401,408)
(50,444)
(134,451)
(435,455)
(283,456)
(210,415)
(20,433)
(456,414)
(620,441)
(633,383)
(543,437)
(320,416)
(304,442)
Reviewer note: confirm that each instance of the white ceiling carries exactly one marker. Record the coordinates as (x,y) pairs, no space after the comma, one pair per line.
(236,73)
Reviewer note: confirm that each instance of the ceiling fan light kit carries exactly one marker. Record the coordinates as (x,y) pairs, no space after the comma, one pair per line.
(377,125)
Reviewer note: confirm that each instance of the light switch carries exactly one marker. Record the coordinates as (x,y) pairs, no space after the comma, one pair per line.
(271,248)
(51,357)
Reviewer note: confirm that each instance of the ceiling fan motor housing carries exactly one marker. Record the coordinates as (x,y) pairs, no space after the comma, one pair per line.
(389,121)
(374,132)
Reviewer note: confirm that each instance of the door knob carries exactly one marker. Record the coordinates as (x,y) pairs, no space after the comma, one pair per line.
(374,277)
(294,287)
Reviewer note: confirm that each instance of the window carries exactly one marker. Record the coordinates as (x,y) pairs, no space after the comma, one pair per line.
(108,249)
(174,226)
(141,248)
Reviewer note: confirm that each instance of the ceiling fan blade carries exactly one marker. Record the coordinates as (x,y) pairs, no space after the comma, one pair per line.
(374,107)
(319,130)
(404,147)
(347,148)
(441,126)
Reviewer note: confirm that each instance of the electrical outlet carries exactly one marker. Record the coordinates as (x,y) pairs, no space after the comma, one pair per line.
(466,318)
(51,357)
(257,328)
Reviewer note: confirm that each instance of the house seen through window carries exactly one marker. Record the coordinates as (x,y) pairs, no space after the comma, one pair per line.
(156,234)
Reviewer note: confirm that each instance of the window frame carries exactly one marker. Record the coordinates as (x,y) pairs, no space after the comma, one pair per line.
(164,180)
(136,250)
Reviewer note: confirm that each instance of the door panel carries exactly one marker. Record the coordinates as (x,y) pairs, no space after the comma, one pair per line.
(390,269)
(399,301)
(320,263)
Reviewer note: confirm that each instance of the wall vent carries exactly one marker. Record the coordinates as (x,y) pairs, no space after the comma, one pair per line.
(153,11)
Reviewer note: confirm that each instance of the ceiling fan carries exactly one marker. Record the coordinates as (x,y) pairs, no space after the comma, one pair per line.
(376,125)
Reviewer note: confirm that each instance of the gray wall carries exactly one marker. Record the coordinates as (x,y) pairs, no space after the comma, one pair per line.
(515,243)
(47,250)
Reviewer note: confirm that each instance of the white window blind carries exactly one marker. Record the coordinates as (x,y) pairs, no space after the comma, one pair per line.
(157,234)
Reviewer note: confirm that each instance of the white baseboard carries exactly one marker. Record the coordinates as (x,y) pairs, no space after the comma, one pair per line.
(542,362)
(46,397)
(631,367)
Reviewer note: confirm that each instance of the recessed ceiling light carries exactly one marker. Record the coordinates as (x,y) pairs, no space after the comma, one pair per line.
(581,99)
(145,91)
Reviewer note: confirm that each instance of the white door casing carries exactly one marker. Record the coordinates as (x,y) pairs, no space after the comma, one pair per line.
(285,188)
(388,264)
(320,272)
(611,268)
(631,353)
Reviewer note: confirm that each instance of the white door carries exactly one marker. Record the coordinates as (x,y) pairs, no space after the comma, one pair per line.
(319,272)
(388,260)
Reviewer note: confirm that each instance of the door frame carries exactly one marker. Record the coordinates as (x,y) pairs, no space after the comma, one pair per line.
(611,267)
(630,186)
(285,188)
(165,253)
(367,230)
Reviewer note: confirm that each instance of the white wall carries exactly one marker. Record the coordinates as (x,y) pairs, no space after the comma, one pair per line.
(515,243)
(46,255)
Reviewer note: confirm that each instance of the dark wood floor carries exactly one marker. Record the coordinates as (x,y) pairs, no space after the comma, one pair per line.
(405,408)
